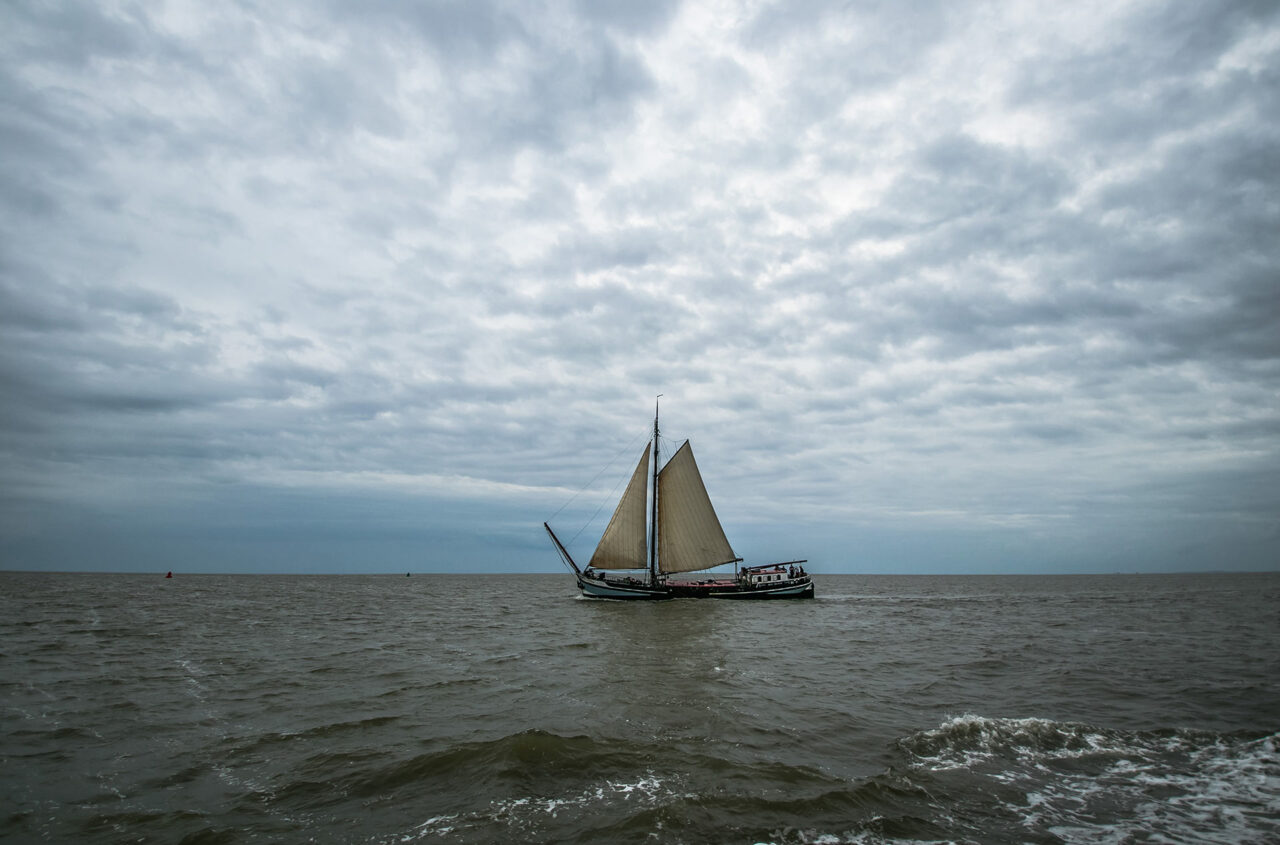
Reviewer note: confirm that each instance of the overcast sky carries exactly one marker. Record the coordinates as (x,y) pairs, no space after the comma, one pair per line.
(374,287)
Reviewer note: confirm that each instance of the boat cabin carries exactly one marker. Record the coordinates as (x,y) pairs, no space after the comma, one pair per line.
(765,576)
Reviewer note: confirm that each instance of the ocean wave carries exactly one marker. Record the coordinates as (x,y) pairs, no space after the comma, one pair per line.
(1227,791)
(526,757)
(1079,783)
(238,747)
(963,741)
(609,790)
(595,808)
(535,776)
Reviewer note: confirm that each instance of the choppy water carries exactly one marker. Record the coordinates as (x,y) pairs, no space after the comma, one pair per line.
(458,709)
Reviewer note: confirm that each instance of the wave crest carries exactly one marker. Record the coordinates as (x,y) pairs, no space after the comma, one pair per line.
(963,740)
(1077,782)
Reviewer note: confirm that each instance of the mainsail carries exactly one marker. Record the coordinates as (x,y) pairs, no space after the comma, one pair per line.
(623,545)
(689,533)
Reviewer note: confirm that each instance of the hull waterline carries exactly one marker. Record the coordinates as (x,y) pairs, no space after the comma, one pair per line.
(794,591)
(598,590)
(801,588)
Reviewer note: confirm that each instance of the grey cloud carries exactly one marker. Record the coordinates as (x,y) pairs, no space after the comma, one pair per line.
(553,91)
(134,301)
(626,17)
(565,96)
(70,34)
(902,31)
(981,176)
(1143,83)
(38,164)
(459,30)
(625,248)
(282,252)
(328,97)
(1221,185)
(283,370)
(1160,44)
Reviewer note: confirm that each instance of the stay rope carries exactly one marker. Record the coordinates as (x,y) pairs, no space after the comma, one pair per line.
(630,445)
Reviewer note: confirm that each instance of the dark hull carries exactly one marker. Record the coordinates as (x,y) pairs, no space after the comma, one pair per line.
(598,589)
(798,588)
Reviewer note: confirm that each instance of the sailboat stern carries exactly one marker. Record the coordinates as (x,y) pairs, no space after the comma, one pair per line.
(798,589)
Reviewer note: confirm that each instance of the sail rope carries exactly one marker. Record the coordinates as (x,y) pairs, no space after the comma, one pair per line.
(606,499)
(668,446)
(603,502)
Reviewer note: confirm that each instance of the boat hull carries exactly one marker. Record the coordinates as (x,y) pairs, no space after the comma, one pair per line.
(782,591)
(596,589)
(799,588)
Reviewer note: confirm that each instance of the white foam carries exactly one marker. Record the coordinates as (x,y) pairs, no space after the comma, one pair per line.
(1179,786)
(525,814)
(964,742)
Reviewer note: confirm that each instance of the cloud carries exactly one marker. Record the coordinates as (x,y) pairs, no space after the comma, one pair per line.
(1000,276)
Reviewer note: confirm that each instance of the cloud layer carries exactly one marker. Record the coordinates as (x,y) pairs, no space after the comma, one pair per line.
(963,286)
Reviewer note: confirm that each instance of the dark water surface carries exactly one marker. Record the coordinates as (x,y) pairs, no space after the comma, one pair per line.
(466,709)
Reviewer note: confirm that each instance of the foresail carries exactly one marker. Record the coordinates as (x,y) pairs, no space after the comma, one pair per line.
(689,533)
(623,545)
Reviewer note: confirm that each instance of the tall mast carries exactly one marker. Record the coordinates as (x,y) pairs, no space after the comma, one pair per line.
(653,524)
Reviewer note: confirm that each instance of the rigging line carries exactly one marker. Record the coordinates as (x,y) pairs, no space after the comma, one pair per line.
(593,481)
(670,445)
(603,502)
(667,447)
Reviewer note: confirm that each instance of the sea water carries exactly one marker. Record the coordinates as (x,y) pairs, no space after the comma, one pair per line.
(460,709)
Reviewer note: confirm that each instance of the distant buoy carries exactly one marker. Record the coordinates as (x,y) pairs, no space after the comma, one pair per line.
(170,575)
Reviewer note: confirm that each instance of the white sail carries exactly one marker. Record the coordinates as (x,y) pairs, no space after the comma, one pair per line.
(623,545)
(689,533)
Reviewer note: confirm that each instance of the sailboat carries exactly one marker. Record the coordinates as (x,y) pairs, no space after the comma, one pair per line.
(668,555)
